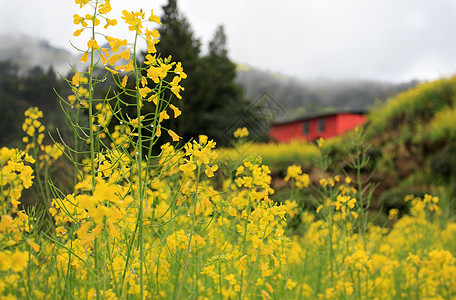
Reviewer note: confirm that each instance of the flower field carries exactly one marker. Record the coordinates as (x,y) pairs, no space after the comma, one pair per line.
(141,225)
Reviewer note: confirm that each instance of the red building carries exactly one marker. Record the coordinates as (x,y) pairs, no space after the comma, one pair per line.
(316,126)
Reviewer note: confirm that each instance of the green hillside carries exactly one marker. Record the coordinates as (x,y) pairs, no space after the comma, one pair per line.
(411,144)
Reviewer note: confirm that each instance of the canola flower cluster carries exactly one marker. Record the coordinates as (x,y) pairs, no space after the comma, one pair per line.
(232,239)
(138,226)
(272,153)
(34,131)
(15,176)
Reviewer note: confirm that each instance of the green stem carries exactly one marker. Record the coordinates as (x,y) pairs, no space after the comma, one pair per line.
(38,174)
(76,147)
(331,250)
(244,241)
(2,195)
(139,161)
(92,137)
(220,280)
(192,231)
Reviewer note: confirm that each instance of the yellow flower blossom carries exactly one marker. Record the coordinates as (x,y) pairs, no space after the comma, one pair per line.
(210,170)
(81,2)
(133,19)
(105,7)
(265,295)
(92,44)
(173,135)
(125,68)
(79,20)
(144,91)
(241,133)
(176,110)
(75,79)
(34,246)
(78,32)
(124,81)
(175,87)
(115,43)
(180,71)
(231,279)
(110,22)
(84,57)
(188,168)
(163,116)
(150,59)
(154,18)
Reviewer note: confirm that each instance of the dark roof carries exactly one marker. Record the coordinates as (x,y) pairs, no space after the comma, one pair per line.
(317,115)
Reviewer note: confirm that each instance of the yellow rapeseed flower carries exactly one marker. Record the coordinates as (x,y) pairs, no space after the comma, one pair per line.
(84,57)
(163,116)
(81,2)
(133,19)
(210,170)
(175,87)
(154,18)
(115,43)
(143,92)
(173,135)
(110,22)
(241,133)
(34,245)
(125,68)
(75,79)
(180,71)
(124,81)
(92,44)
(176,110)
(105,7)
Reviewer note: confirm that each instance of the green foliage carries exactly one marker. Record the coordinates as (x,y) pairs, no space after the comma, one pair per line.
(17,92)
(415,133)
(274,155)
(442,127)
(411,144)
(212,100)
(223,100)
(394,198)
(416,105)
(443,163)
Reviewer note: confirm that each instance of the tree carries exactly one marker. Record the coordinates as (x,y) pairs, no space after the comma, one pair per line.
(17,93)
(177,40)
(224,105)
(9,104)
(212,101)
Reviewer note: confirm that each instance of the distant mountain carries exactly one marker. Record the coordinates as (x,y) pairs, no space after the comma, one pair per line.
(28,52)
(299,98)
(294,96)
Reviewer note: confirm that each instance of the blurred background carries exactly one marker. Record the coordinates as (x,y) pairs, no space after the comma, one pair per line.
(309,56)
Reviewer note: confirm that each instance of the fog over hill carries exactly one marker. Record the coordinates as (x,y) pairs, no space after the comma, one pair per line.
(295,97)
(298,98)
(28,52)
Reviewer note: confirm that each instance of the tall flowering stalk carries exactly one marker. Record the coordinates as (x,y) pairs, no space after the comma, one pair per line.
(121,160)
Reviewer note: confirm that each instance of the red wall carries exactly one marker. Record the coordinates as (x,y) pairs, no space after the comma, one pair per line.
(347,122)
(335,124)
(287,132)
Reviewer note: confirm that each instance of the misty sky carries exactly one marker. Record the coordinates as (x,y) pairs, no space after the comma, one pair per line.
(392,40)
